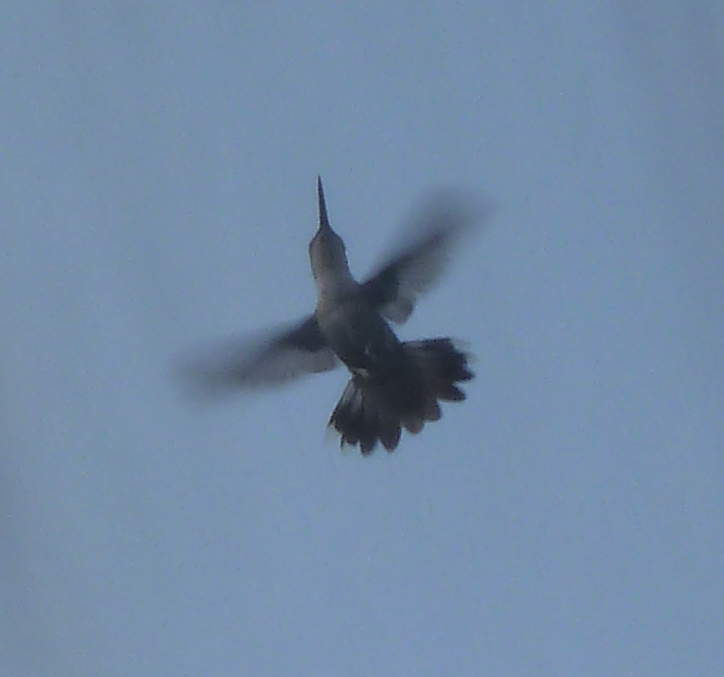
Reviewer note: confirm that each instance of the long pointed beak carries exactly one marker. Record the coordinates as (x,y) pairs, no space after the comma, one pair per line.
(323,219)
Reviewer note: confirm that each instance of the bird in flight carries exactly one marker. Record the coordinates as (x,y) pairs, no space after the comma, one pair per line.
(394,384)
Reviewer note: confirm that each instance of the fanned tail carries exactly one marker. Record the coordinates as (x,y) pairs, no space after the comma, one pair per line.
(375,409)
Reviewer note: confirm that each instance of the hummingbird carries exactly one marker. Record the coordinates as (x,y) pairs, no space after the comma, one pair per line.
(394,384)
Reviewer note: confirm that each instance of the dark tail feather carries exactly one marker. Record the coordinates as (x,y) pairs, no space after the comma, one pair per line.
(374,409)
(362,420)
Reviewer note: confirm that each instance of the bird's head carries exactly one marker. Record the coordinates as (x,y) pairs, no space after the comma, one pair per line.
(327,253)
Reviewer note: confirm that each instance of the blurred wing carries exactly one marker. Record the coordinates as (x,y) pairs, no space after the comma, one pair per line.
(269,361)
(423,255)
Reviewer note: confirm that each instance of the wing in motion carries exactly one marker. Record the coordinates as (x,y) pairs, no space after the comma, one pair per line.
(422,256)
(280,357)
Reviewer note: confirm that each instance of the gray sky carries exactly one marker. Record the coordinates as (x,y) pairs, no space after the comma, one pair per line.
(158,192)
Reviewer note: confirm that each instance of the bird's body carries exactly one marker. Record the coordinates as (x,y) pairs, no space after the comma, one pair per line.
(394,384)
(357,334)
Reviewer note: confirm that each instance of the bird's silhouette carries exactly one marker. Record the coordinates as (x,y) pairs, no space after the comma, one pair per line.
(394,384)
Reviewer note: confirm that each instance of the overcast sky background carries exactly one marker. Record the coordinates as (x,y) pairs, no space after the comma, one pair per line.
(158,191)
